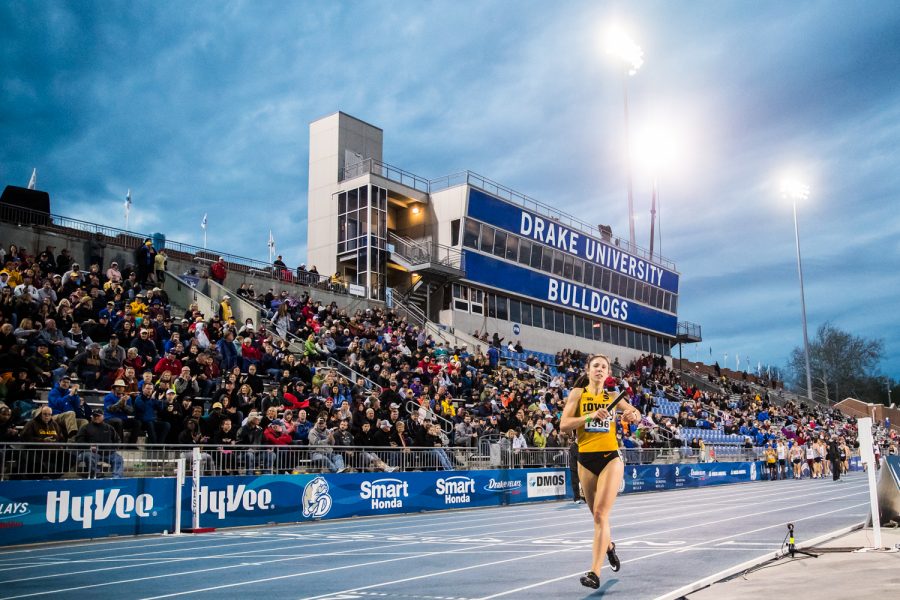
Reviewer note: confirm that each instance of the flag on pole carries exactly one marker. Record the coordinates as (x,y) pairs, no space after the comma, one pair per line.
(33,181)
(271,245)
(203,222)
(127,207)
(737,359)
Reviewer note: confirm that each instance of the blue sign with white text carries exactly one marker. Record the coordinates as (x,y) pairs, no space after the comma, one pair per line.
(249,500)
(549,232)
(43,511)
(518,280)
(647,478)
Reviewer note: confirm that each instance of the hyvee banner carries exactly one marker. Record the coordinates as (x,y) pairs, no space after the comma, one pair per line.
(42,511)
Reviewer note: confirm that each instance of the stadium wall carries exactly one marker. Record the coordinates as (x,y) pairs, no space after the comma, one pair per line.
(47,511)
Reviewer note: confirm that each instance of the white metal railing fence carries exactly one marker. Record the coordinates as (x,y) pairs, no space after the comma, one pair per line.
(87,461)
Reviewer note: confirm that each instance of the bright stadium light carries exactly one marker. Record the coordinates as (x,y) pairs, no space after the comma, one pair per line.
(794,191)
(622,47)
(656,149)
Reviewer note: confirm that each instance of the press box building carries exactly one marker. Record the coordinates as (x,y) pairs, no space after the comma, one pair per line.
(472,254)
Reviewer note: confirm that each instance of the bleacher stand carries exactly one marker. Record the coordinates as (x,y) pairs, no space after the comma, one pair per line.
(371,369)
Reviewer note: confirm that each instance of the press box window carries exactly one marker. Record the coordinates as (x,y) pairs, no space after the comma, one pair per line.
(470,236)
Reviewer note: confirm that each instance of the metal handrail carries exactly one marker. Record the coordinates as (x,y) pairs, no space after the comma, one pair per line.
(343,368)
(88,461)
(413,407)
(382,169)
(426,251)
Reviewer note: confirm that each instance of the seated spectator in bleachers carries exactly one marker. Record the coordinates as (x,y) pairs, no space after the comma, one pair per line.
(168,362)
(46,366)
(49,458)
(226,458)
(145,347)
(69,409)
(321,443)
(251,434)
(302,427)
(465,434)
(275,435)
(76,341)
(118,411)
(97,432)
(148,406)
(9,433)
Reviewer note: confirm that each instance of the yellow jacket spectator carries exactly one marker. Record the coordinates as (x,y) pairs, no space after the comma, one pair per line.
(138,307)
(225,312)
(15,278)
(447,408)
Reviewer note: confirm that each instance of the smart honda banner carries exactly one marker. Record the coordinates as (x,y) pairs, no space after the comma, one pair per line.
(43,511)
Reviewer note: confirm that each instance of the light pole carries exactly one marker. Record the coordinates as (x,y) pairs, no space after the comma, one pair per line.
(797,191)
(622,47)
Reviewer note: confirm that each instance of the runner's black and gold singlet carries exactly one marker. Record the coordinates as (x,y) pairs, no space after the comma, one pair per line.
(597,435)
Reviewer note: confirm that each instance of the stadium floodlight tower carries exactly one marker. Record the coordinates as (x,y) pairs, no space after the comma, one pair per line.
(622,47)
(795,191)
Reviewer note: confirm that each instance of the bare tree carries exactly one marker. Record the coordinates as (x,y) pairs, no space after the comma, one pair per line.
(842,362)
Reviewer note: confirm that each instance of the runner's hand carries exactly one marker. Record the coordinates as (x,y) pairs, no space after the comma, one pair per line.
(600,414)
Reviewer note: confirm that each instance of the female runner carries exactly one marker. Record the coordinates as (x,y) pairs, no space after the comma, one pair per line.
(600,468)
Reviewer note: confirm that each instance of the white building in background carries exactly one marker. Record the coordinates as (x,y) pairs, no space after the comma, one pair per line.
(475,255)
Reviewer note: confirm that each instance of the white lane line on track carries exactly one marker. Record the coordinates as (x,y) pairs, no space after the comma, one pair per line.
(631,560)
(207,544)
(294,575)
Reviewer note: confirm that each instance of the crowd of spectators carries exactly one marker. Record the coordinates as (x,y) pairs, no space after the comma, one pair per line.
(204,379)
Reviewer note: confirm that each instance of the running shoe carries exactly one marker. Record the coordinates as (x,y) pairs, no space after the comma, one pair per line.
(614,562)
(590,580)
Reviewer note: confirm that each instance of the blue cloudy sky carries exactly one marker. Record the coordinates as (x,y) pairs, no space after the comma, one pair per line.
(204,107)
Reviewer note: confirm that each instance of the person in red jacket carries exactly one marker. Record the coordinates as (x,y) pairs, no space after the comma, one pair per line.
(218,271)
(249,353)
(274,435)
(168,363)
